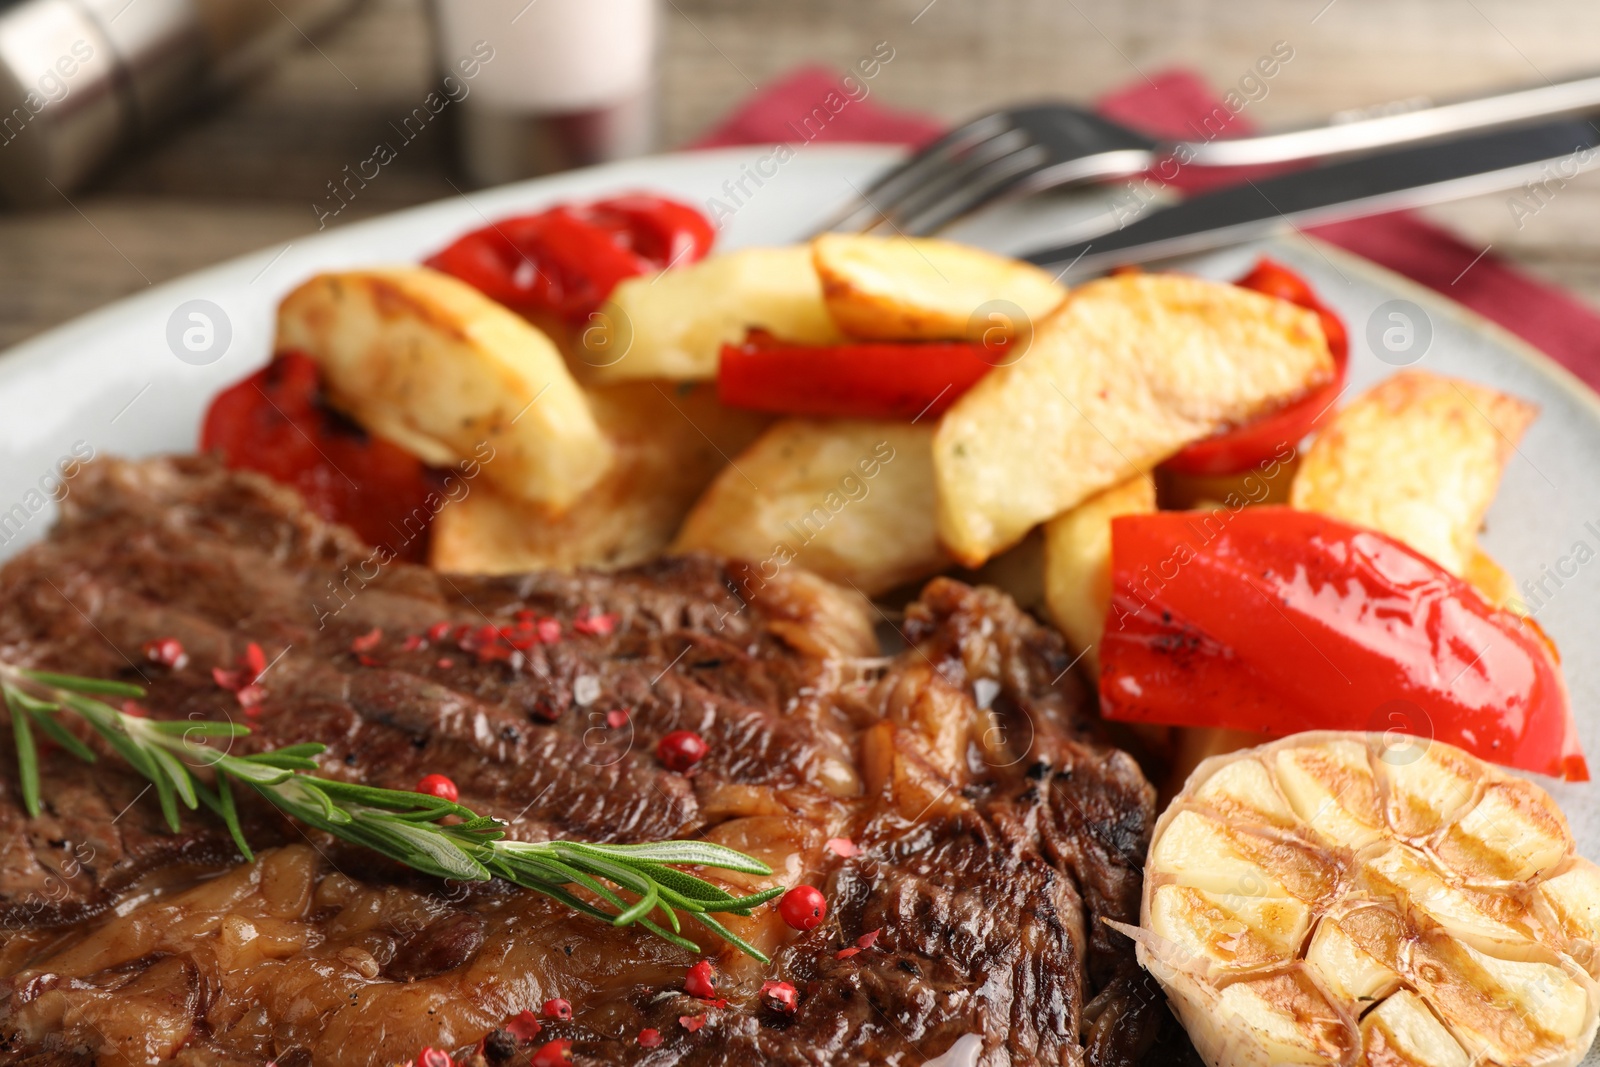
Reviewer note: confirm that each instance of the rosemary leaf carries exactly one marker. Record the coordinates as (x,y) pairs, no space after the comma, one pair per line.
(553,870)
(623,875)
(693,853)
(618,874)
(46,721)
(305,748)
(27,700)
(73,683)
(251,771)
(110,724)
(696,889)
(188,729)
(677,901)
(278,761)
(166,797)
(393,800)
(230,815)
(177,774)
(27,757)
(299,795)
(729,936)
(579,905)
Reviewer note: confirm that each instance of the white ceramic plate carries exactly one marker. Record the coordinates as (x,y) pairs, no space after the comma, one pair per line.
(110,381)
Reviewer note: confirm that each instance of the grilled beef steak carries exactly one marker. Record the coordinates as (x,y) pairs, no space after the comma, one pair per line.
(994,829)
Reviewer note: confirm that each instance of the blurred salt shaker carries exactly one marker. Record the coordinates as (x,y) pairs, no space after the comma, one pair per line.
(571,82)
(81,79)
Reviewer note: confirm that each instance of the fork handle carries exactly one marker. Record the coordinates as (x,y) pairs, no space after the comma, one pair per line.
(1360,134)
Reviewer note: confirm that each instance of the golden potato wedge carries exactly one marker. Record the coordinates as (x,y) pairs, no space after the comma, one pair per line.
(435,366)
(1418,457)
(1128,371)
(849,500)
(1077,562)
(925,289)
(670,441)
(674,324)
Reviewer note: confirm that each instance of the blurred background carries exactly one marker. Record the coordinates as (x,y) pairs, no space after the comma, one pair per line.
(249,167)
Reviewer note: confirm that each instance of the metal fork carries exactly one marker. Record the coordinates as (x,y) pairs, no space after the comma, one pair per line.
(1025,150)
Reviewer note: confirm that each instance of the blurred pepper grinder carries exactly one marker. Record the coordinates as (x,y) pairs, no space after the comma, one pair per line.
(570,82)
(81,78)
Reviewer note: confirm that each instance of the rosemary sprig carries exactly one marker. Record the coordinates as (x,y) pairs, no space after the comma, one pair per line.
(427,833)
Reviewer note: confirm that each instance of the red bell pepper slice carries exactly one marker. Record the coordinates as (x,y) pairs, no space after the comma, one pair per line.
(1275,620)
(663,232)
(565,261)
(1242,447)
(275,422)
(859,380)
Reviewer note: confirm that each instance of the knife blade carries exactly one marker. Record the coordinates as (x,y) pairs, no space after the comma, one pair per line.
(1551,153)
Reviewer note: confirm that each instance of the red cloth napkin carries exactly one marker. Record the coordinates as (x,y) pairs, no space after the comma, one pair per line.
(798,108)
(1172,104)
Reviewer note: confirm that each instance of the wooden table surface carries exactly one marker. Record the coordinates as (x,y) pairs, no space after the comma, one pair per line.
(244,174)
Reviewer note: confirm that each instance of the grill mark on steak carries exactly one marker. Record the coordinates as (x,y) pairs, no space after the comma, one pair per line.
(992,840)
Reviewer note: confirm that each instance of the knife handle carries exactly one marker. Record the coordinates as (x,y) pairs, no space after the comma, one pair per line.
(1396,128)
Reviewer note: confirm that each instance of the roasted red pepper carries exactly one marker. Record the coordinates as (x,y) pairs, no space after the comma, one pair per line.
(275,422)
(860,380)
(1275,620)
(565,261)
(1245,446)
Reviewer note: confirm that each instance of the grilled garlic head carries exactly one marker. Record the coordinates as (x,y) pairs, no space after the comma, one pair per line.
(1331,898)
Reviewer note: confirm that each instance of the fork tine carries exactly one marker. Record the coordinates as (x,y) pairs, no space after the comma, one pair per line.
(988,184)
(995,154)
(904,178)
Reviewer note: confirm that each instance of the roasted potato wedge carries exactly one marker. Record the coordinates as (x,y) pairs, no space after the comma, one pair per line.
(1128,371)
(924,289)
(674,324)
(430,363)
(1418,457)
(670,441)
(851,501)
(1077,562)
